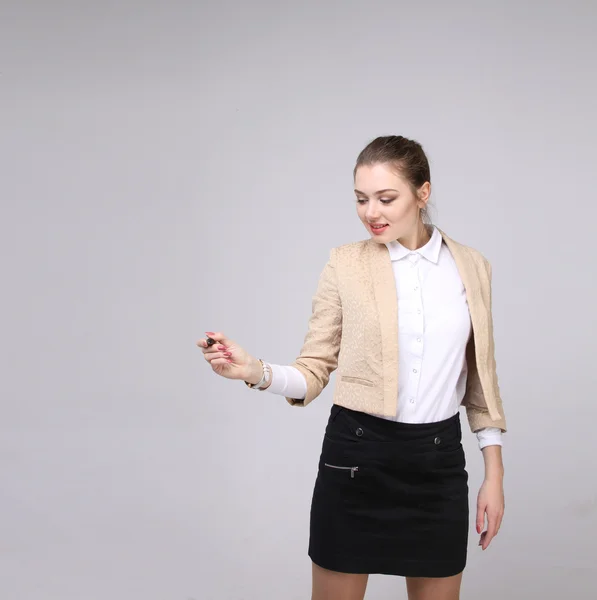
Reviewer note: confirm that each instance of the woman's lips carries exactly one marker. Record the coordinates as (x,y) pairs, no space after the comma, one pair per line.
(378,230)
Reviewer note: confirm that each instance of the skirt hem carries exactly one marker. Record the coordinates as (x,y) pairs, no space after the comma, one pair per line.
(401,568)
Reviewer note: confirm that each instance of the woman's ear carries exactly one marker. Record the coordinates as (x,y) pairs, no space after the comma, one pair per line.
(423,194)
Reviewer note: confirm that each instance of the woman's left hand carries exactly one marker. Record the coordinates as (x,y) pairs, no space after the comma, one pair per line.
(491,501)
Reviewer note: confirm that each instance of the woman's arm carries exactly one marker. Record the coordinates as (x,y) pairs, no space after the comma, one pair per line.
(494,467)
(490,500)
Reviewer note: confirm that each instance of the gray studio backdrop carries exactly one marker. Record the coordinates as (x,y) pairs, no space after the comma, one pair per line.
(176,167)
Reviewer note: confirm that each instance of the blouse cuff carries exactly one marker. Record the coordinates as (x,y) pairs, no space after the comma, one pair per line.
(287,381)
(489,436)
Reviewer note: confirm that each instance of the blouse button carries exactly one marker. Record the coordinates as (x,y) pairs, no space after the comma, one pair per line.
(359,432)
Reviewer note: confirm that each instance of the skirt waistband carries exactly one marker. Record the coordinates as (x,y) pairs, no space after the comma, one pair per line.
(359,426)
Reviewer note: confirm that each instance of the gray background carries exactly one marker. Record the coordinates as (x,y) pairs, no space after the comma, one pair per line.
(171,168)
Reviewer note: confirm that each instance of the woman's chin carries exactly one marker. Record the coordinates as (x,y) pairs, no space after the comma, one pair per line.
(383,236)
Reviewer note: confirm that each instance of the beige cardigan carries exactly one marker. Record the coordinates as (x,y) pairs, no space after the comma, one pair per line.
(354,328)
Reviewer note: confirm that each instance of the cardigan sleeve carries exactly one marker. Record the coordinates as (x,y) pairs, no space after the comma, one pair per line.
(478,417)
(319,354)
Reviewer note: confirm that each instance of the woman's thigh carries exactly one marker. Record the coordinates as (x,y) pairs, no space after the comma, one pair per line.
(332,585)
(434,588)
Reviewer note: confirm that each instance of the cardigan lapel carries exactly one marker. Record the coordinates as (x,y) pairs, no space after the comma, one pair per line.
(384,289)
(479,308)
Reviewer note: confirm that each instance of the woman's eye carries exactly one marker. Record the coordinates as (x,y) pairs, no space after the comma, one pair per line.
(382,200)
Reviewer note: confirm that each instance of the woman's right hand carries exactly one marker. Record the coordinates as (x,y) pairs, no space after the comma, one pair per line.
(230,360)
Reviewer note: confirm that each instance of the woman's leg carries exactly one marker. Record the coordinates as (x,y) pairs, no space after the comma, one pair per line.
(332,585)
(434,588)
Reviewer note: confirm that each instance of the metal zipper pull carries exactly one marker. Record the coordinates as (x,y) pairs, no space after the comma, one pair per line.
(351,469)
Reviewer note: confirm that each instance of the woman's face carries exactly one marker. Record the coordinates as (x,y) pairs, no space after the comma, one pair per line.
(385,198)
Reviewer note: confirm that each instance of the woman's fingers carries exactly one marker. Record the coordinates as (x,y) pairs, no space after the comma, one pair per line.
(211,356)
(494,522)
(490,533)
(224,355)
(480,517)
(214,349)
(208,348)
(218,336)
(218,353)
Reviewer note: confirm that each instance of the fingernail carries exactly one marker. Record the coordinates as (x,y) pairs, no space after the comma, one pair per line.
(221,347)
(228,360)
(210,332)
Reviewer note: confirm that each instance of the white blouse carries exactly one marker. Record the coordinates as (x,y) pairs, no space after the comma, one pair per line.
(434,329)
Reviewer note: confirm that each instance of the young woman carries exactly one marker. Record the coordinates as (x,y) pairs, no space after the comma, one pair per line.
(405,317)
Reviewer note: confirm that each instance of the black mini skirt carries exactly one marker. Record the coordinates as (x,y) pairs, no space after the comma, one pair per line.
(390,497)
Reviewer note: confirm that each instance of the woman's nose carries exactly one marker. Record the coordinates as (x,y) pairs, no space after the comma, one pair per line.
(371,214)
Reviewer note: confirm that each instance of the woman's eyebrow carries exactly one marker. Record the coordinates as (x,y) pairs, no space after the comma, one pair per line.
(378,192)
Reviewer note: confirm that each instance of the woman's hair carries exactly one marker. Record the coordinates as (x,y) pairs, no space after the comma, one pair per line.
(406,156)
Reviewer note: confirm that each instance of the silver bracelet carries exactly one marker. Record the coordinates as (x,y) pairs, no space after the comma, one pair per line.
(265,378)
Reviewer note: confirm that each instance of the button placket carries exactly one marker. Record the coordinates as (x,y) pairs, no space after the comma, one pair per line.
(409,279)
(420,328)
(412,287)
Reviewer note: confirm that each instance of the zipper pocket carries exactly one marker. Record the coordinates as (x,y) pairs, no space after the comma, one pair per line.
(351,469)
